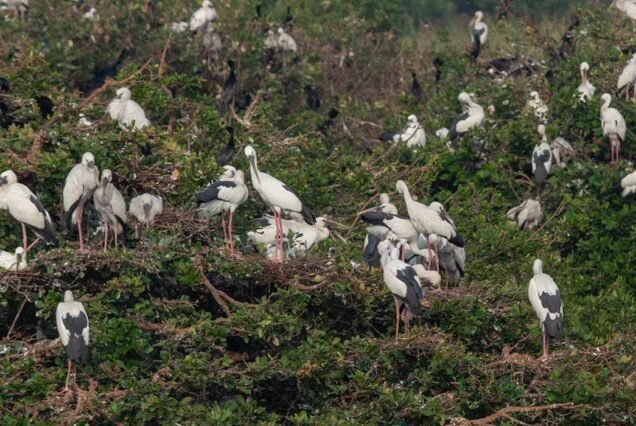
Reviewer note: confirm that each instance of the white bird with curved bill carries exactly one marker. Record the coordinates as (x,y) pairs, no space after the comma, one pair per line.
(429,220)
(127,112)
(278,197)
(627,79)
(304,236)
(79,186)
(541,158)
(478,34)
(111,206)
(528,214)
(25,207)
(145,208)
(472,116)
(403,283)
(15,261)
(223,196)
(539,108)
(614,126)
(203,16)
(286,42)
(414,134)
(545,299)
(628,183)
(586,89)
(72,326)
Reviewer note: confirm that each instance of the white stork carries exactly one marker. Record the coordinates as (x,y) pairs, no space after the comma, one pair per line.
(304,236)
(278,197)
(221,197)
(414,134)
(402,281)
(586,89)
(375,234)
(614,126)
(528,214)
(127,112)
(80,183)
(13,261)
(25,207)
(472,116)
(145,208)
(429,220)
(72,326)
(400,230)
(538,107)
(546,300)
(541,158)
(203,16)
(478,34)
(111,206)
(627,79)
(628,183)
(286,42)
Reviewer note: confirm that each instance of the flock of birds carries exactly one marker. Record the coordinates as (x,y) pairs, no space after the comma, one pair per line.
(412,250)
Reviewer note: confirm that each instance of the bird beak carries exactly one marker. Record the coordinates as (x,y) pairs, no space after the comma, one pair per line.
(91,164)
(18,257)
(337,235)
(3,181)
(253,166)
(331,222)
(104,181)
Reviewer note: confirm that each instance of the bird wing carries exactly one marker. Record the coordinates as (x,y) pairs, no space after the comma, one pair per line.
(629,180)
(114,108)
(27,210)
(215,191)
(414,294)
(459,125)
(513,212)
(133,113)
(541,157)
(118,205)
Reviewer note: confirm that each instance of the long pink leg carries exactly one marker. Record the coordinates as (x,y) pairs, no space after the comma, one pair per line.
(116,236)
(397,317)
(80,212)
(224,229)
(33,244)
(231,240)
(402,250)
(281,250)
(68,374)
(430,257)
(437,256)
(105,236)
(24,239)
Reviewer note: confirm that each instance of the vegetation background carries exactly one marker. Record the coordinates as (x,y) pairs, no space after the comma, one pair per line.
(182,334)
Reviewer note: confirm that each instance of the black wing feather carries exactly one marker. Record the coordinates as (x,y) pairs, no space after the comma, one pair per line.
(414,294)
(48,233)
(77,349)
(212,191)
(305,211)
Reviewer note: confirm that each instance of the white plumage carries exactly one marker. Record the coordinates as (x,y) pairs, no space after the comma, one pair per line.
(111,206)
(586,89)
(80,183)
(528,214)
(271,40)
(614,126)
(472,116)
(25,207)
(127,112)
(178,27)
(628,183)
(91,15)
(478,34)
(413,134)
(627,79)
(286,42)
(305,236)
(145,208)
(72,326)
(203,16)
(13,261)
(545,299)
(541,158)
(451,258)
(538,107)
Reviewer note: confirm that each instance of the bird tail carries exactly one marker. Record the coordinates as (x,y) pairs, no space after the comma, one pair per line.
(554,326)
(457,240)
(308,215)
(68,215)
(387,136)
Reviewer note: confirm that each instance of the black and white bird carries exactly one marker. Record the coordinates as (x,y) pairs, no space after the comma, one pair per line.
(478,34)
(25,207)
(586,89)
(628,183)
(15,261)
(72,326)
(528,214)
(127,112)
(79,186)
(416,89)
(221,197)
(402,281)
(377,233)
(627,79)
(429,220)
(400,230)
(614,126)
(111,206)
(472,116)
(145,208)
(452,259)
(545,298)
(225,155)
(413,134)
(303,236)
(278,197)
(203,16)
(537,107)
(230,90)
(541,158)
